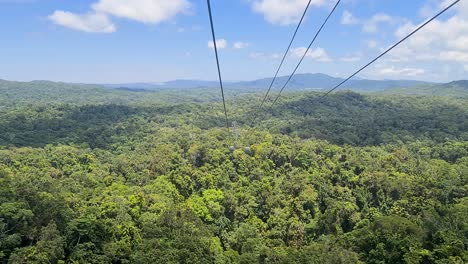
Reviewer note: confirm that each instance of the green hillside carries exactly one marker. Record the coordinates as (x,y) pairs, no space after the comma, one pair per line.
(452,89)
(43,92)
(19,94)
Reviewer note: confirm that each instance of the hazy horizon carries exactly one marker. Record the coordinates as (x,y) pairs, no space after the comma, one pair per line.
(227,81)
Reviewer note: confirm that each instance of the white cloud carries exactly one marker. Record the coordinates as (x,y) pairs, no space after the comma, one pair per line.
(220,44)
(93,22)
(460,43)
(431,7)
(395,72)
(146,11)
(357,56)
(372,25)
(241,45)
(264,56)
(372,44)
(256,55)
(441,46)
(283,12)
(318,54)
(349,19)
(440,40)
(462,8)
(98,19)
(454,55)
(350,59)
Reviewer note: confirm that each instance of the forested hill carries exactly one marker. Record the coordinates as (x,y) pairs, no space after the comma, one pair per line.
(20,94)
(351,118)
(343,118)
(452,89)
(150,177)
(14,94)
(45,92)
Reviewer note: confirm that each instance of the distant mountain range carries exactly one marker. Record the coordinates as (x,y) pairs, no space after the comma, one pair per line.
(313,81)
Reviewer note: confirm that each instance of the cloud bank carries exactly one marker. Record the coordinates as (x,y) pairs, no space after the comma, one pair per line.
(98,19)
(283,12)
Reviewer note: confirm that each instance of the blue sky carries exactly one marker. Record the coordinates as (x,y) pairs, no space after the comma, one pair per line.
(117,41)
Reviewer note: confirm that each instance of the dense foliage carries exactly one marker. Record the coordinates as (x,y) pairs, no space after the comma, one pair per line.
(345,118)
(345,179)
(350,118)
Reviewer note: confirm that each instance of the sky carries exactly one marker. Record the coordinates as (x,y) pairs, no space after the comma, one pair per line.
(123,41)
